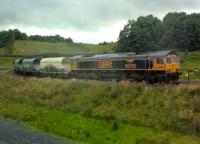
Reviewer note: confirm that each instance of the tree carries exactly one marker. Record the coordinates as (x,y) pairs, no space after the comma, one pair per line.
(55,38)
(7,38)
(172,24)
(123,42)
(141,35)
(69,40)
(10,41)
(19,36)
(182,31)
(190,33)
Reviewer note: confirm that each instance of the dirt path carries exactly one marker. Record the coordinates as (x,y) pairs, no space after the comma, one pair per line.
(13,133)
(4,69)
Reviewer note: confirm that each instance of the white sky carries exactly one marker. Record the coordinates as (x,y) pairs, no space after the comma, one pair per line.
(87,21)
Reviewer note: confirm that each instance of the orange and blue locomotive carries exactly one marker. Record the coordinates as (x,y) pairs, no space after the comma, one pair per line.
(161,66)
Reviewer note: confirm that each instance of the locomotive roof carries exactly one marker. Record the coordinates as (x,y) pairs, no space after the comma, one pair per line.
(117,55)
(125,55)
(30,60)
(49,60)
(18,60)
(103,56)
(159,53)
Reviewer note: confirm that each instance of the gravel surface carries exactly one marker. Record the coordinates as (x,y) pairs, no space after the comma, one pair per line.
(13,133)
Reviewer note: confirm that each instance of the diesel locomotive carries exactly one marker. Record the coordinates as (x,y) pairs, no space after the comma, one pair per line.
(160,66)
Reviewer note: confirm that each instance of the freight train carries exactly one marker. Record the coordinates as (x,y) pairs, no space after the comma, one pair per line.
(160,66)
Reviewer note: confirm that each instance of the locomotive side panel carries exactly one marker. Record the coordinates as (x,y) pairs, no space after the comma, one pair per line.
(113,65)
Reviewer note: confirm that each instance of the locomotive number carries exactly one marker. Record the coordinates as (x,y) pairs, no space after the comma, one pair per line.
(105,64)
(130,66)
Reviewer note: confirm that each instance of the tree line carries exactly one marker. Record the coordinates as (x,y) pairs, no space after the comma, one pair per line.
(8,37)
(178,31)
(56,38)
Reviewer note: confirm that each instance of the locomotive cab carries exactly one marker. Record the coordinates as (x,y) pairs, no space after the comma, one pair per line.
(166,65)
(172,64)
(168,62)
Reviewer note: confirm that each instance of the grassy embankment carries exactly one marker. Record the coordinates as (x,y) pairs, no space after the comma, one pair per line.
(104,112)
(190,62)
(33,47)
(6,62)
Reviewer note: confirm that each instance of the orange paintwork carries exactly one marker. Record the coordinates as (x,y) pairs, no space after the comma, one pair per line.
(168,68)
(172,68)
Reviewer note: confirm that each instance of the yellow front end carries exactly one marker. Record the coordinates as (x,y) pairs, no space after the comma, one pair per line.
(172,68)
(172,64)
(168,64)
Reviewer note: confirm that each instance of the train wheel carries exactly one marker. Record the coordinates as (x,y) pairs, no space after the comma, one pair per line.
(152,81)
(123,77)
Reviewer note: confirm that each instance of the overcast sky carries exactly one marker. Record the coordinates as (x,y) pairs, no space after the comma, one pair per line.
(90,21)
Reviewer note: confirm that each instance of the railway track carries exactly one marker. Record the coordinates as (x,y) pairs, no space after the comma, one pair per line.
(3,69)
(187,82)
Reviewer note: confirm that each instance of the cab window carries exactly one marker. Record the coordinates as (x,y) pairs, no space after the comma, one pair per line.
(160,61)
(169,60)
(175,59)
(172,60)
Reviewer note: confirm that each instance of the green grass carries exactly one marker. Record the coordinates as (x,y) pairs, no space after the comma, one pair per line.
(99,49)
(104,112)
(6,62)
(190,62)
(35,47)
(73,126)
(88,130)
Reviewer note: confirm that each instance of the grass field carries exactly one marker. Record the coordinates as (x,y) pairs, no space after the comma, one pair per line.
(6,62)
(190,62)
(33,47)
(88,130)
(104,112)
